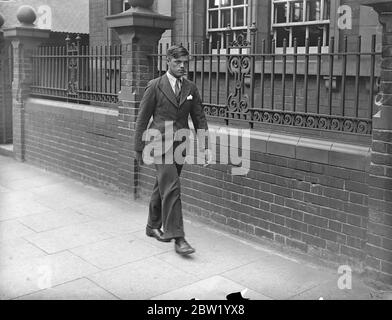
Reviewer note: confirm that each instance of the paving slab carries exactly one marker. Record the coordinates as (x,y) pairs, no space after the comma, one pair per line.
(280,278)
(113,209)
(330,291)
(28,183)
(4,189)
(213,288)
(80,289)
(215,253)
(53,219)
(116,226)
(13,229)
(31,275)
(93,245)
(116,252)
(17,249)
(143,279)
(18,204)
(66,195)
(61,239)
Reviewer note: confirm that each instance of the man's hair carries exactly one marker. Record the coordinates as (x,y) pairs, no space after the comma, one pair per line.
(176,52)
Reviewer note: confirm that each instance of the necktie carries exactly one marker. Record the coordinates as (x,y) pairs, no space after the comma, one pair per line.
(178,88)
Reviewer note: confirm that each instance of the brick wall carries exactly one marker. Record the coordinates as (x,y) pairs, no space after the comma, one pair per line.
(5,97)
(308,194)
(76,140)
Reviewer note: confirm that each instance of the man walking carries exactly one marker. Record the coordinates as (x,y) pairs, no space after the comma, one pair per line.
(169,99)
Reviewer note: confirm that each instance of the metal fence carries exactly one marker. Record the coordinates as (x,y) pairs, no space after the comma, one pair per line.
(306,88)
(77,73)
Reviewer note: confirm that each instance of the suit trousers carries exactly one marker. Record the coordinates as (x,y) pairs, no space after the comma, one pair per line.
(165,210)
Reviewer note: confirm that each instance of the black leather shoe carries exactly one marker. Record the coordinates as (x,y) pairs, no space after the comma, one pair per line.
(156,233)
(182,247)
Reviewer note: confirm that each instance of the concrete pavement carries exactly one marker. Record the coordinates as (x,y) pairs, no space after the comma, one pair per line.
(61,239)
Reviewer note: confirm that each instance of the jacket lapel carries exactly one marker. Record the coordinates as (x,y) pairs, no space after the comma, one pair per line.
(185,90)
(165,87)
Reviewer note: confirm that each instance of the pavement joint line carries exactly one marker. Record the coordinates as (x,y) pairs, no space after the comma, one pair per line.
(306,290)
(88,262)
(17,219)
(106,290)
(51,287)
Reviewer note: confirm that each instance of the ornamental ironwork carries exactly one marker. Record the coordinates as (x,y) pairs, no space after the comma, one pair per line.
(240,67)
(73,66)
(313,121)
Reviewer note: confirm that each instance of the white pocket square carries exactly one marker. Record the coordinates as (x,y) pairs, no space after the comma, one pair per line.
(190,97)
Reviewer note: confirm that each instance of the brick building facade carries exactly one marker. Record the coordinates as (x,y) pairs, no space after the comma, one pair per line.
(207,20)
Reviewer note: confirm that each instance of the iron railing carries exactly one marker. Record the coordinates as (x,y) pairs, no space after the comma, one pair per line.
(331,91)
(77,73)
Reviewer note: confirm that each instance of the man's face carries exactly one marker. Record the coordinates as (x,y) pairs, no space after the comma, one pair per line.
(177,66)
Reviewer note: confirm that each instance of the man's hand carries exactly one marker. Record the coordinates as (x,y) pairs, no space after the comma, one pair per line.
(139,157)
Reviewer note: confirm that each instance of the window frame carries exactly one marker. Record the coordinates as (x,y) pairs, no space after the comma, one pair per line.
(220,30)
(325,23)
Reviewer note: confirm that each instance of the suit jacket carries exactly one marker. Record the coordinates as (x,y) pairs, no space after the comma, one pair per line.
(160,102)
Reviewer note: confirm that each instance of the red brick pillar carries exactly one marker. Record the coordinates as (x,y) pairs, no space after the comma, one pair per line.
(24,39)
(3,127)
(379,246)
(139,30)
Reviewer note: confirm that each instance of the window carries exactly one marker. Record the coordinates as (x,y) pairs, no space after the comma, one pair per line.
(301,19)
(126,5)
(224,13)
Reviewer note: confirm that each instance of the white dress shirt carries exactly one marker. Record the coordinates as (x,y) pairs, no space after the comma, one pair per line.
(173,80)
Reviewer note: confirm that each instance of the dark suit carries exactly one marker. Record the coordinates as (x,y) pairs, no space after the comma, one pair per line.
(160,102)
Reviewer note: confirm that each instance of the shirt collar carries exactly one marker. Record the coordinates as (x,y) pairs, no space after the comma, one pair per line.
(172,78)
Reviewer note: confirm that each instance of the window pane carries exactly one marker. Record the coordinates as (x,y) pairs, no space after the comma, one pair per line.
(281,34)
(313,10)
(225,3)
(213,3)
(299,33)
(215,37)
(225,18)
(238,2)
(327,9)
(314,33)
(213,19)
(296,11)
(280,13)
(238,17)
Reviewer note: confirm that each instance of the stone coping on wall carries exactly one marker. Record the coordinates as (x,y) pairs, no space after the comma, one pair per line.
(321,151)
(72,106)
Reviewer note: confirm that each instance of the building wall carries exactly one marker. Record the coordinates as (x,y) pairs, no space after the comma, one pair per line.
(364,23)
(306,194)
(97,24)
(76,140)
